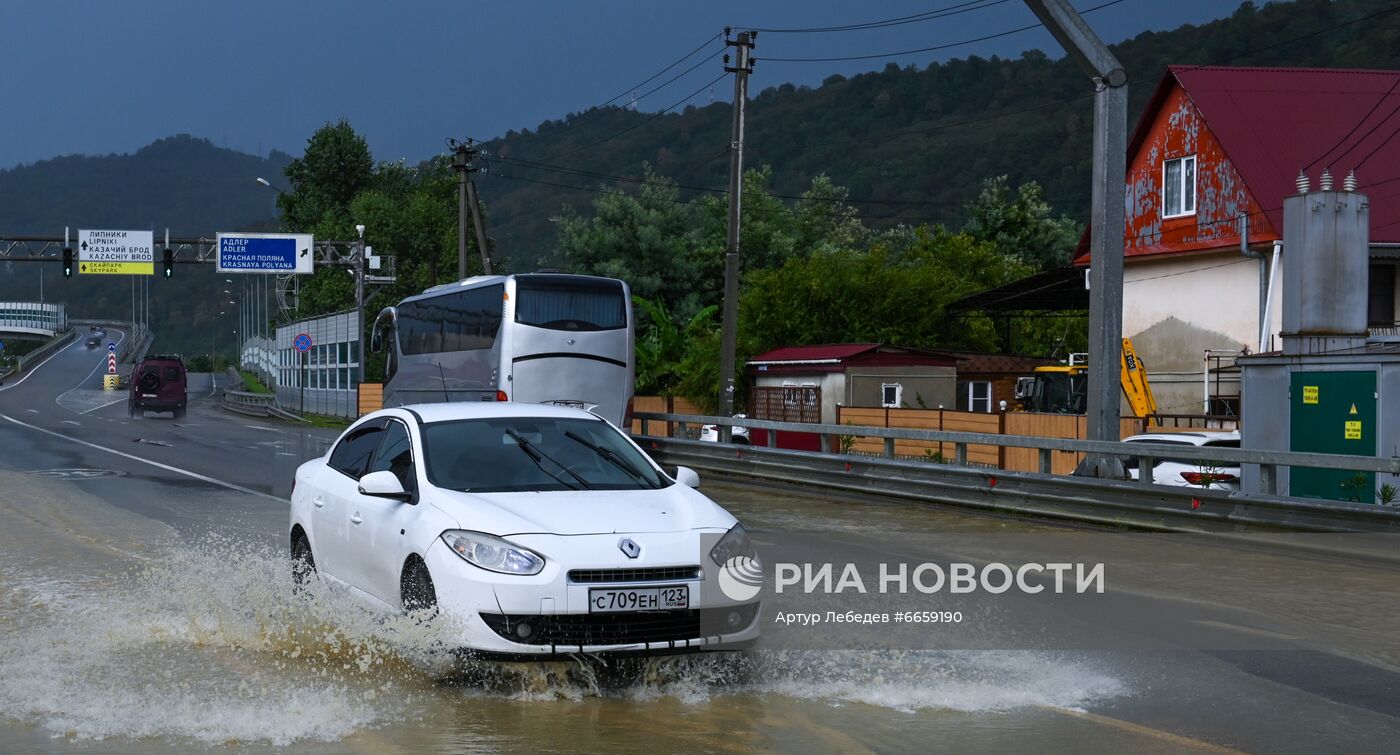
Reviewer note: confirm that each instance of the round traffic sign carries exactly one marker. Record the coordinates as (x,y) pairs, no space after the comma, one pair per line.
(111,346)
(302,342)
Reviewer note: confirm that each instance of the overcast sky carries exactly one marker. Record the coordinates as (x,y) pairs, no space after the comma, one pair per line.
(96,76)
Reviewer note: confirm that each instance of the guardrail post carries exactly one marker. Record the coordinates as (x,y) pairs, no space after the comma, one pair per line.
(772,438)
(960,454)
(825,443)
(1045,460)
(1268,479)
(684,429)
(1145,465)
(646,426)
(889,448)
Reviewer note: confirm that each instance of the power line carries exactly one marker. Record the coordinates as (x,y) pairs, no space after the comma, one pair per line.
(1354,129)
(653,117)
(946,126)
(1007,33)
(785,210)
(944,12)
(658,74)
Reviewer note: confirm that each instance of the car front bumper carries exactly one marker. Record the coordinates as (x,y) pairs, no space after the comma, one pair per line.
(505,615)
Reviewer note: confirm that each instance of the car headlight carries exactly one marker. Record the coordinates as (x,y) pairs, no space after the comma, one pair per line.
(492,553)
(734,543)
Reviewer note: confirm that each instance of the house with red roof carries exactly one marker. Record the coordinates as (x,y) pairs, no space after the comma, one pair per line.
(1214,155)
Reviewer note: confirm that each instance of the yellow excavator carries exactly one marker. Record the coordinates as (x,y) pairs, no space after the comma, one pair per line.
(1064,388)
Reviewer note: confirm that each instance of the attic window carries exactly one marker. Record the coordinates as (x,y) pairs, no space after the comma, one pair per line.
(1179,187)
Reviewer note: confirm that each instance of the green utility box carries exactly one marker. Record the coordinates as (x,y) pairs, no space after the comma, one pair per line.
(1333,413)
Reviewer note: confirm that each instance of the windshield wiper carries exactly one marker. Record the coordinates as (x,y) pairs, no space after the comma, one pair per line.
(616,460)
(535,455)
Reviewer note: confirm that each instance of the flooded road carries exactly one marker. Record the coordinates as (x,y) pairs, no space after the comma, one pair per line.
(146,606)
(126,635)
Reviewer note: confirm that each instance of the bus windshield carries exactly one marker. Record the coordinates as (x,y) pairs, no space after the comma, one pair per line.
(570,303)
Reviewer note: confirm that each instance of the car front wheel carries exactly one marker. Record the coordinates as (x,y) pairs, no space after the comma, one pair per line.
(416,587)
(303,563)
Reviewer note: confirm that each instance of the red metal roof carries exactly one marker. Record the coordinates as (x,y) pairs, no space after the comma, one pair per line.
(837,357)
(1272,122)
(814,353)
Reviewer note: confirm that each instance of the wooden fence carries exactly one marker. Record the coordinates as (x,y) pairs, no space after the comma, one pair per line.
(1010,423)
(661,404)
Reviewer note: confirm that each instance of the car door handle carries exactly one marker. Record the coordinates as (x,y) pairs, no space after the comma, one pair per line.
(355,518)
(318,501)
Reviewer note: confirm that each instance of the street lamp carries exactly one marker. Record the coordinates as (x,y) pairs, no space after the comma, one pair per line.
(268,184)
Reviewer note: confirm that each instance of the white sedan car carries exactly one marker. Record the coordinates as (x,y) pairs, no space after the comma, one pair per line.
(538,529)
(1166,471)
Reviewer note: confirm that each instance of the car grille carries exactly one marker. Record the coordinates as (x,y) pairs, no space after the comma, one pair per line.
(653,574)
(619,628)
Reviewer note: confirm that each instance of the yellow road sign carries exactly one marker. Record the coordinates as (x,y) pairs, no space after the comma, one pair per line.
(104,267)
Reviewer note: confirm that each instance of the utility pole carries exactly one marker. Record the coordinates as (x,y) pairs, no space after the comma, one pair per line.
(743,66)
(360,301)
(463,157)
(1105,225)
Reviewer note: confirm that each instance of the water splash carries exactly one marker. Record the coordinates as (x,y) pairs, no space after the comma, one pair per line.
(211,643)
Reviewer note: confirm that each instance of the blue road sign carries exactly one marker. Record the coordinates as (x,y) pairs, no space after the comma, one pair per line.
(111,346)
(2,346)
(264,253)
(302,342)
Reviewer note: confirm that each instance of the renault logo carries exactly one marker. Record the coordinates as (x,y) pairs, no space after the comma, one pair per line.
(629,547)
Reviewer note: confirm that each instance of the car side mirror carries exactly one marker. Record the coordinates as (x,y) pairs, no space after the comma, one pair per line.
(383,484)
(687,477)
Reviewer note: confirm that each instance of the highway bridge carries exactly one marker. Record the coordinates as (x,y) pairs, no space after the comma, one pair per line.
(34,320)
(144,600)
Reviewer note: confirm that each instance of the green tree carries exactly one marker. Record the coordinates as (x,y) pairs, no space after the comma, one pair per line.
(894,292)
(643,238)
(664,344)
(1020,224)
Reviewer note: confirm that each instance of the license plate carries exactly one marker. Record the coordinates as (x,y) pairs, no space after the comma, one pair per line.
(570,404)
(613,600)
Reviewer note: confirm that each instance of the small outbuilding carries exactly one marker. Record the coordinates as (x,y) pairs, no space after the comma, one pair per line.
(805,383)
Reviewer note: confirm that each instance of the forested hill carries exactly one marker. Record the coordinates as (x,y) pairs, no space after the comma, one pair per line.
(182,183)
(911,143)
(185,184)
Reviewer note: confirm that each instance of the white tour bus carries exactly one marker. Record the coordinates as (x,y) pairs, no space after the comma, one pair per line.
(538,338)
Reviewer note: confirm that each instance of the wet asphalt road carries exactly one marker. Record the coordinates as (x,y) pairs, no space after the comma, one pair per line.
(91,490)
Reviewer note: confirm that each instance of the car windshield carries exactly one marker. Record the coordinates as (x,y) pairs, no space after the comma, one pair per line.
(517,454)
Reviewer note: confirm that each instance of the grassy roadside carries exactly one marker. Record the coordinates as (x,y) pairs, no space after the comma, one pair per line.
(326,421)
(252,384)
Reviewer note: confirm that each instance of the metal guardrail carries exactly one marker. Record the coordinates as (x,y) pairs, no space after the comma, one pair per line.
(40,354)
(1144,454)
(252,404)
(1159,508)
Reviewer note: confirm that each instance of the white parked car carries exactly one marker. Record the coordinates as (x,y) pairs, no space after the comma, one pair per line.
(1165,471)
(538,529)
(710,433)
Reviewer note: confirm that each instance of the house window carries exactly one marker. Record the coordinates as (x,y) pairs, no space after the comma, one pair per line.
(975,396)
(1179,187)
(890,395)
